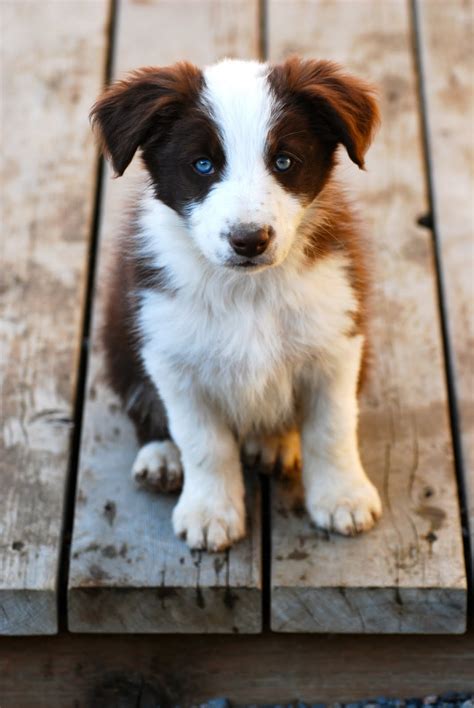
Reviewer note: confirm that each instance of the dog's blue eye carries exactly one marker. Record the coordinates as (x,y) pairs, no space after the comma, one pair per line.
(203,166)
(283,163)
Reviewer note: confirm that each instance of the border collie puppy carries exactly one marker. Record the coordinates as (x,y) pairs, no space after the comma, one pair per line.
(235,318)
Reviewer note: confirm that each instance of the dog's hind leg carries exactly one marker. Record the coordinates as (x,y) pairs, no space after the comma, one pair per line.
(157,465)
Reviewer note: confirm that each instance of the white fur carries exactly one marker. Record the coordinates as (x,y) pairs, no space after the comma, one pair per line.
(244,339)
(229,351)
(339,495)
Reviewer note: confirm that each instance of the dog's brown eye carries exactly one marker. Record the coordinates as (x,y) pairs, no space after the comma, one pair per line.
(283,163)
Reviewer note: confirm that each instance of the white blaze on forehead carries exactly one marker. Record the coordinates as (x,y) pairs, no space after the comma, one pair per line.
(238,96)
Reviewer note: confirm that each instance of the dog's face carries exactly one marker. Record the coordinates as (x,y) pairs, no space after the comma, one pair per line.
(239,150)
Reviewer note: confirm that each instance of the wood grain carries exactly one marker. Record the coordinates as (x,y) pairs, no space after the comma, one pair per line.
(52,65)
(408,574)
(128,572)
(446,33)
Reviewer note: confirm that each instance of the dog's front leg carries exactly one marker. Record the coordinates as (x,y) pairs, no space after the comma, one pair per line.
(339,495)
(210,512)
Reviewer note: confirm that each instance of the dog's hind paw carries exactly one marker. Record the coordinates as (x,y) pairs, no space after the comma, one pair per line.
(158,467)
(270,453)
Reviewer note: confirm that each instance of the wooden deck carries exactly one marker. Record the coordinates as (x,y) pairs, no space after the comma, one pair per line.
(80,547)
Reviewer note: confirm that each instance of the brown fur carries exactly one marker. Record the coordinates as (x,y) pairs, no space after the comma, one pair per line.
(333,227)
(125,372)
(142,106)
(293,135)
(341,108)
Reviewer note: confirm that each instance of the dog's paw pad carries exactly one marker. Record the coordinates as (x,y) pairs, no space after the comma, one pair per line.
(274,452)
(158,467)
(349,510)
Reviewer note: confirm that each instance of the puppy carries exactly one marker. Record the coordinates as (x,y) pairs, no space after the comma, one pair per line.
(236,311)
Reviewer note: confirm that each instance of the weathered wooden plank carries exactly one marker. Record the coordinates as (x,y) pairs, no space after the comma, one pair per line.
(408,574)
(128,572)
(52,65)
(445,35)
(272,669)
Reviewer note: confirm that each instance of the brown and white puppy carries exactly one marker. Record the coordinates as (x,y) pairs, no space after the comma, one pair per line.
(236,314)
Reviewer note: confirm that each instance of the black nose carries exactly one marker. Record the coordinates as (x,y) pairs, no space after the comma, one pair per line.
(250,240)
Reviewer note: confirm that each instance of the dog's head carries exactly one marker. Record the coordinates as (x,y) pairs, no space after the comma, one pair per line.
(240,149)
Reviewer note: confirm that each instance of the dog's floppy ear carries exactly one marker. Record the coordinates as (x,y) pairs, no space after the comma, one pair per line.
(141,105)
(342,108)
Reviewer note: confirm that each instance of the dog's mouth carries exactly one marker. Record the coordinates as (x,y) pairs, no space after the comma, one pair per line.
(249,264)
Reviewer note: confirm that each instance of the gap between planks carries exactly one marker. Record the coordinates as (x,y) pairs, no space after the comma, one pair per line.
(79,399)
(438,71)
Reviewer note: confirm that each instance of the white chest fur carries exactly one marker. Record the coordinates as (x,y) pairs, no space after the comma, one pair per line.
(245,340)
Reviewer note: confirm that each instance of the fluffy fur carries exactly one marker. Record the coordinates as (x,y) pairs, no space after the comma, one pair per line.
(236,317)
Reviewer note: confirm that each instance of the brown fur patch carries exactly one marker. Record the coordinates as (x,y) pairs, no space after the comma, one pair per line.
(142,106)
(157,110)
(170,162)
(341,108)
(149,276)
(313,159)
(125,371)
(332,226)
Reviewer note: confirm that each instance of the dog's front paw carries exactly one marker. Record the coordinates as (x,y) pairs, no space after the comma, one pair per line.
(271,453)
(158,466)
(345,503)
(209,523)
